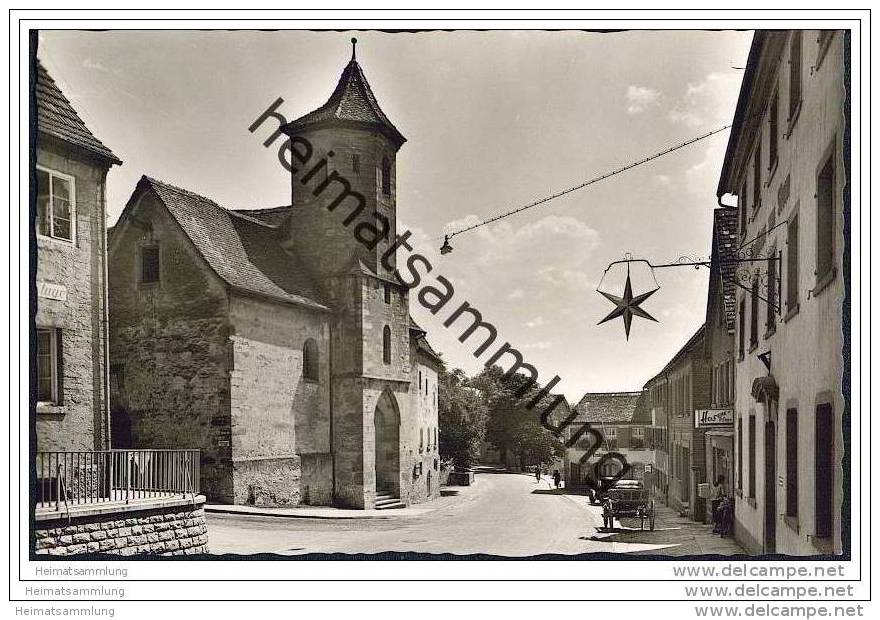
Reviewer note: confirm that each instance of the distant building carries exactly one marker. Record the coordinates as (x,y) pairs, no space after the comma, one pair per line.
(785,163)
(623,419)
(676,392)
(716,422)
(278,340)
(657,479)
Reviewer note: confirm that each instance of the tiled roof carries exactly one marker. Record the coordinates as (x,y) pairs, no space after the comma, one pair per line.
(351,103)
(245,252)
(614,408)
(425,347)
(725,236)
(559,412)
(273,216)
(56,117)
(422,341)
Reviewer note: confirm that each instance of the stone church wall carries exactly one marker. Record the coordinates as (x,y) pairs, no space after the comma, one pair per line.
(425,431)
(279,419)
(169,348)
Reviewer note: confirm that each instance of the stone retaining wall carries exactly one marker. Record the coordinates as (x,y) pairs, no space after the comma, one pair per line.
(172,528)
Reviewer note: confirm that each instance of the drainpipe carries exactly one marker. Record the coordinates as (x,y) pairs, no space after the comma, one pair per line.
(105,319)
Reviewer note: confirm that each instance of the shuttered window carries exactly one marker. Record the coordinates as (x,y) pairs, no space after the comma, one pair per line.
(825,220)
(824,471)
(752,455)
(791,462)
(795,71)
(791,280)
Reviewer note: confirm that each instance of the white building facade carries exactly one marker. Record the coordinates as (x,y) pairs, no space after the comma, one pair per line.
(785,164)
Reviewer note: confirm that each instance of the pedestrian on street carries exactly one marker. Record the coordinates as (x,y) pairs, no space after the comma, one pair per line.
(557,478)
(538,473)
(719,494)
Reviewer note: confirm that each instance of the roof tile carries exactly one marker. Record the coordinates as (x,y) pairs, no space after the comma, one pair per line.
(353,103)
(614,408)
(56,117)
(245,252)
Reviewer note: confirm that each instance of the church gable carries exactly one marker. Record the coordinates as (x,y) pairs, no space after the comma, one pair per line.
(245,252)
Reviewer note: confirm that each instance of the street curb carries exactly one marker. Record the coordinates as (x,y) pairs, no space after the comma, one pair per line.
(345,515)
(267,513)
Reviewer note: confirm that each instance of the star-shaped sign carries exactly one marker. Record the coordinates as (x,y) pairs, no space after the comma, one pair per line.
(627,306)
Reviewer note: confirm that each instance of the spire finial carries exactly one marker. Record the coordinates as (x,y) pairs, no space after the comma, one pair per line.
(353,44)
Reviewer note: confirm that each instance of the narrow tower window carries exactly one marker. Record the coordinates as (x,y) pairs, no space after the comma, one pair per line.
(386,345)
(310,360)
(386,176)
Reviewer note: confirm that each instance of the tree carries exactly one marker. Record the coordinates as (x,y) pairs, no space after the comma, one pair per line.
(511,426)
(462,415)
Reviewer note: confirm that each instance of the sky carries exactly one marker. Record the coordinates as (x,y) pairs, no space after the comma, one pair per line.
(493,120)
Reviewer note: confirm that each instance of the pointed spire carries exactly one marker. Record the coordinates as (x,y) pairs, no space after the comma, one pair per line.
(352,103)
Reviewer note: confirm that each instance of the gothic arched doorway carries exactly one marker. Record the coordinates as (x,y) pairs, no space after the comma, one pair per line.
(386,421)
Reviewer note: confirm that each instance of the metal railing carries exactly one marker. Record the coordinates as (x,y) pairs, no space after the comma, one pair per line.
(66,479)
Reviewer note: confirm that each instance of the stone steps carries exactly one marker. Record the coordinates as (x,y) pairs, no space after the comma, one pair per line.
(386,501)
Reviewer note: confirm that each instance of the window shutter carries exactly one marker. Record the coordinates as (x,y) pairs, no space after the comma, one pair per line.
(59,365)
(824,471)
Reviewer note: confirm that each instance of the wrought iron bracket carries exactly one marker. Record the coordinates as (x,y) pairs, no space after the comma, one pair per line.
(686,261)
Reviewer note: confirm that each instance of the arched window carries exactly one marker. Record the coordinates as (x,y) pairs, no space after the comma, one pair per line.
(310,360)
(386,345)
(386,176)
(421,439)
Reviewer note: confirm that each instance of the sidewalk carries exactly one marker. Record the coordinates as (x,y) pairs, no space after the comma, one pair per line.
(448,496)
(677,535)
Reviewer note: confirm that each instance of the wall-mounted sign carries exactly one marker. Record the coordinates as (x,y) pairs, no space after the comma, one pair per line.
(49,290)
(713,417)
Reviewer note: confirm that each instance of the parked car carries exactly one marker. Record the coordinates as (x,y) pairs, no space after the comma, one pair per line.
(628,498)
(598,498)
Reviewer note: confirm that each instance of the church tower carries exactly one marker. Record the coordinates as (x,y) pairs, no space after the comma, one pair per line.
(343,160)
(343,222)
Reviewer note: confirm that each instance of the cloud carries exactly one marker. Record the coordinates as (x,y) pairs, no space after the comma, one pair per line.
(569,279)
(538,321)
(663,180)
(701,178)
(541,345)
(640,98)
(710,102)
(95,65)
(515,294)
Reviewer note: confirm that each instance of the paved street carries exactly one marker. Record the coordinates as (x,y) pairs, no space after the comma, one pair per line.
(502,514)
